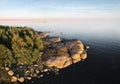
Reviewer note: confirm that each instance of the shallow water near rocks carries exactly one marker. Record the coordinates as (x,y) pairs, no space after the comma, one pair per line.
(103,63)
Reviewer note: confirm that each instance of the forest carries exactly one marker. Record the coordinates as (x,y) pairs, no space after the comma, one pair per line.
(18,45)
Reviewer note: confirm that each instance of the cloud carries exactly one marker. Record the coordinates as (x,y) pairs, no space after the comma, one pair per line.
(55,8)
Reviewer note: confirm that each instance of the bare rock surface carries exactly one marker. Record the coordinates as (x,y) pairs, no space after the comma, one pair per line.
(10,73)
(43,35)
(14,79)
(63,53)
(55,39)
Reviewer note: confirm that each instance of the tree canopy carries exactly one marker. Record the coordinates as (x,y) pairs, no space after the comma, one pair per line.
(21,45)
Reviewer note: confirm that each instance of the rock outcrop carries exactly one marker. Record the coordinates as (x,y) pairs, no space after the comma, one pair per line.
(55,39)
(62,53)
(43,35)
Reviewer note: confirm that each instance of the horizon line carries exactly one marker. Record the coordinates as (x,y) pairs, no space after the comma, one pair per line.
(54,19)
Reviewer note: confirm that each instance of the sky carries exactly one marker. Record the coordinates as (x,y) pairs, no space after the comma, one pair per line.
(35,9)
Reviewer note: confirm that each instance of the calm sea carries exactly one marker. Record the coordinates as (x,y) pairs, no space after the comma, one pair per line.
(103,63)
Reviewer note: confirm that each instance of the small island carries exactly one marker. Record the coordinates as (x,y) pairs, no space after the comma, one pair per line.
(27,54)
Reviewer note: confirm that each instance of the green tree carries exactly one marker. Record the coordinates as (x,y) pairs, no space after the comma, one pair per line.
(6,57)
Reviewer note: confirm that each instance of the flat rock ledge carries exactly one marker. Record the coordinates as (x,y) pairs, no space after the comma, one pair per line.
(61,53)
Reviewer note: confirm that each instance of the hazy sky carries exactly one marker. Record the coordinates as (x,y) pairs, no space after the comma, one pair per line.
(59,8)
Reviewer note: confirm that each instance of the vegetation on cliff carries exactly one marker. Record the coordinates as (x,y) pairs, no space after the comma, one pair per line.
(18,45)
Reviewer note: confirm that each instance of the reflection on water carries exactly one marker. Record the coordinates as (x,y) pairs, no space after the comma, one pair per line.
(103,63)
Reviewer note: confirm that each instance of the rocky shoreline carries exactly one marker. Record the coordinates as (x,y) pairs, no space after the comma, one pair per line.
(27,54)
(58,53)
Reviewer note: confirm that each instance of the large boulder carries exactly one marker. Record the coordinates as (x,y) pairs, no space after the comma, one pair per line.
(14,79)
(64,53)
(71,43)
(10,72)
(21,79)
(58,61)
(83,55)
(76,58)
(76,49)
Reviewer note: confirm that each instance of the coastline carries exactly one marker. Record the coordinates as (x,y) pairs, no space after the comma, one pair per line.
(57,54)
